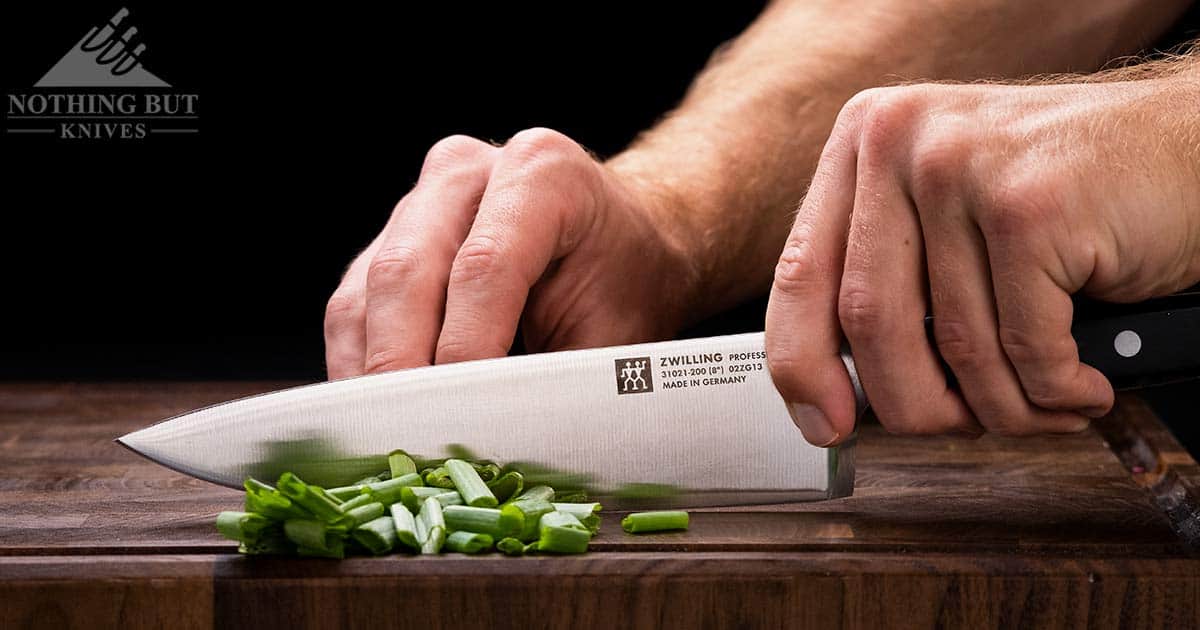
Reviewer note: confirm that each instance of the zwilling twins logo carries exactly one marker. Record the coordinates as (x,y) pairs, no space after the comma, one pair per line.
(634,376)
(109,55)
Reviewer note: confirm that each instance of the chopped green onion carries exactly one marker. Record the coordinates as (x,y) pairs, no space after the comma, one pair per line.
(640,522)
(536,493)
(468,542)
(319,491)
(449,497)
(365,513)
(434,541)
(462,504)
(309,497)
(439,477)
(578,510)
(388,492)
(406,526)
(242,526)
(345,493)
(265,500)
(311,534)
(514,547)
(531,512)
(497,523)
(571,496)
(507,485)
(559,532)
(592,523)
(430,517)
(378,535)
(336,549)
(272,543)
(561,519)
(400,464)
(486,472)
(587,513)
(357,501)
(474,491)
(413,497)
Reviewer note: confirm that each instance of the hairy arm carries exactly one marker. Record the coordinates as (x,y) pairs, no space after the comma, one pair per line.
(728,166)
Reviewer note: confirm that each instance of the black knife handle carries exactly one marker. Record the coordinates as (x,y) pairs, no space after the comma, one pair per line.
(1147,343)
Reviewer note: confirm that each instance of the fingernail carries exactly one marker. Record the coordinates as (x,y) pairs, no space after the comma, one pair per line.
(813,424)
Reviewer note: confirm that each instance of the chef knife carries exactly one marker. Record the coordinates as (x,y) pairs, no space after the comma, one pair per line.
(687,422)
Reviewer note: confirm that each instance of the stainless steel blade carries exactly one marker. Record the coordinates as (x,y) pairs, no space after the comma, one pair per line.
(685,422)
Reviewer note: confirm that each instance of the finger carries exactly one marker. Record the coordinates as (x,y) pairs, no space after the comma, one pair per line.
(882,307)
(406,280)
(965,328)
(803,338)
(1035,332)
(540,201)
(345,317)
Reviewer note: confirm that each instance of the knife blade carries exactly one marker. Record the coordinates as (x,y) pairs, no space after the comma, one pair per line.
(688,422)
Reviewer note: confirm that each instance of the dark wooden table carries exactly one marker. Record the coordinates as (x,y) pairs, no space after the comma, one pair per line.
(1094,530)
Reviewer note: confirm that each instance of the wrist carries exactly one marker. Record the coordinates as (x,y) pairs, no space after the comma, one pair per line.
(665,208)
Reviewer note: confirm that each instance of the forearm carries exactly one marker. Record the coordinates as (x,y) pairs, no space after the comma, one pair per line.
(730,164)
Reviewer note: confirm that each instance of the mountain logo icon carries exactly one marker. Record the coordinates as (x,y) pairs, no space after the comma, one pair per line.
(109,55)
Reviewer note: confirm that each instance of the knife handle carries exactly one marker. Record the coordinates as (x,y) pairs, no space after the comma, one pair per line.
(1146,343)
(1137,345)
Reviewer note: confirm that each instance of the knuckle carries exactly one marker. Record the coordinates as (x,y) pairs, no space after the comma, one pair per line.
(1045,393)
(385,360)
(887,118)
(905,421)
(479,258)
(858,105)
(862,312)
(787,371)
(956,344)
(542,147)
(798,269)
(937,169)
(341,311)
(1020,346)
(451,153)
(1043,369)
(1019,209)
(453,351)
(392,267)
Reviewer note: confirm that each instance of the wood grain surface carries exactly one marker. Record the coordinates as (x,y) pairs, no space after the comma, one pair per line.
(1093,530)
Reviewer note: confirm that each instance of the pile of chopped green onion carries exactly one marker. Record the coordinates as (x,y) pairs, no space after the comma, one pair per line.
(456,505)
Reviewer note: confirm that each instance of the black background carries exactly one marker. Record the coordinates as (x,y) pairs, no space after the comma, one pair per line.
(211,256)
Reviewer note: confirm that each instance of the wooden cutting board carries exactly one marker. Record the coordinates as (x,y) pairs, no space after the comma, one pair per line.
(1098,529)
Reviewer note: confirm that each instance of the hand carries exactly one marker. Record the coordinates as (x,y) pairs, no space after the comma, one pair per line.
(535,232)
(987,206)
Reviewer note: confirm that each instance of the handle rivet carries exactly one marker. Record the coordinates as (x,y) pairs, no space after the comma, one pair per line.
(1127,343)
